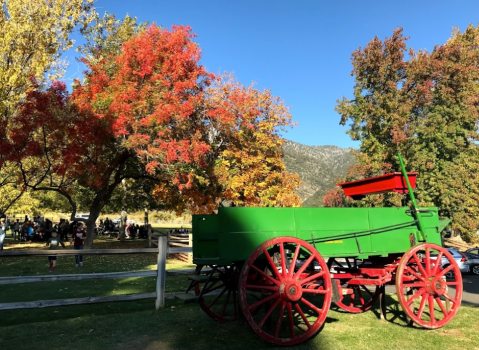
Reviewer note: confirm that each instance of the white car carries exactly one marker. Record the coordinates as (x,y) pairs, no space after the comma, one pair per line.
(83,216)
(118,220)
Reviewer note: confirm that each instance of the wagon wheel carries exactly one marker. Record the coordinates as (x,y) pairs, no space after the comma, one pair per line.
(422,281)
(355,298)
(285,291)
(218,291)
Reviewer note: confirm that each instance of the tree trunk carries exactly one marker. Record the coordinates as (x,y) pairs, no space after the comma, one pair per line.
(91,224)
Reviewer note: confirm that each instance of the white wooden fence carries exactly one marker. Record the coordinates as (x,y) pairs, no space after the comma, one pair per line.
(160,273)
(175,240)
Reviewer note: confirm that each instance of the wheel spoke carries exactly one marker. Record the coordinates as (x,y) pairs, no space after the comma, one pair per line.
(293,262)
(452,283)
(446,270)
(264,300)
(312,277)
(414,273)
(414,285)
(291,320)
(448,297)
(272,265)
(312,306)
(269,312)
(305,265)
(438,263)
(315,291)
(283,260)
(360,295)
(441,306)
(256,286)
(217,297)
(421,306)
(431,308)
(415,296)
(419,266)
(226,303)
(280,319)
(301,313)
(428,261)
(210,289)
(269,278)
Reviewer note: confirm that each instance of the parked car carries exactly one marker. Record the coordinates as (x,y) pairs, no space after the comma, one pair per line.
(82,216)
(461,260)
(473,259)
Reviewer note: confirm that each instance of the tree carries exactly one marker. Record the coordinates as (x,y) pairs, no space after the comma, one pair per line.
(149,112)
(425,108)
(335,198)
(34,34)
(164,108)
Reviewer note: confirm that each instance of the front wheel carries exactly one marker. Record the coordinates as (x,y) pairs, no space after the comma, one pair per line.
(285,291)
(421,282)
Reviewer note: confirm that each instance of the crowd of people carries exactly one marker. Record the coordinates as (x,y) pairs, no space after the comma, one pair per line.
(108,227)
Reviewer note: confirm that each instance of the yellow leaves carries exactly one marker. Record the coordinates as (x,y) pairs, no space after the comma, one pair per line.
(34,33)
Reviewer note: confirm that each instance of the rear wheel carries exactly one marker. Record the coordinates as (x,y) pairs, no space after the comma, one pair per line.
(475,269)
(217,288)
(354,298)
(421,282)
(285,291)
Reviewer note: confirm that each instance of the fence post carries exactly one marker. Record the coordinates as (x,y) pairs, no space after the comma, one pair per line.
(148,228)
(160,281)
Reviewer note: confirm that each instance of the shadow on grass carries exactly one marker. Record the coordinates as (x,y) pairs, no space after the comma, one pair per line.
(131,325)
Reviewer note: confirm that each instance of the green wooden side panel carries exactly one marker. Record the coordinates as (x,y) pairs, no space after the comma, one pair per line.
(321,223)
(234,233)
(206,232)
(249,227)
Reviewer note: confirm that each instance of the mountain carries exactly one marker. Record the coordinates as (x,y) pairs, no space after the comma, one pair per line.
(318,167)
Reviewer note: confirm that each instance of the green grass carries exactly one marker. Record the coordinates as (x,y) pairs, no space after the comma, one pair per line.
(137,325)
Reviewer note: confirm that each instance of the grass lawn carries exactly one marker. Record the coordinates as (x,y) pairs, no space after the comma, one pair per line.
(137,325)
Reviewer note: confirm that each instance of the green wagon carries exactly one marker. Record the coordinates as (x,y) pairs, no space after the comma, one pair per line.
(281,268)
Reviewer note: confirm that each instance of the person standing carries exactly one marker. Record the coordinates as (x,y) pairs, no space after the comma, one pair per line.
(3,233)
(78,237)
(54,243)
(16,230)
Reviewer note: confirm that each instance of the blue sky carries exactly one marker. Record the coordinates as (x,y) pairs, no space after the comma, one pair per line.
(300,50)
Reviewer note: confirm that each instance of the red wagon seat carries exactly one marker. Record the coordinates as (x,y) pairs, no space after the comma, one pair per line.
(393,182)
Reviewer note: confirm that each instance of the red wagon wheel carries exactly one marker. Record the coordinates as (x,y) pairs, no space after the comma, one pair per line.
(421,281)
(354,298)
(285,291)
(357,298)
(218,291)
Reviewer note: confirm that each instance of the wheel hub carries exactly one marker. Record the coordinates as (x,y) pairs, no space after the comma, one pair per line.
(436,286)
(291,290)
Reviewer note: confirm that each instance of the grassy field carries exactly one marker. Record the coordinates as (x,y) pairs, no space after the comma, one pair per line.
(137,325)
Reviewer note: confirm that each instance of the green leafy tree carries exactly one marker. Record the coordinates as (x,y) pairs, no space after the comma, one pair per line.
(426,107)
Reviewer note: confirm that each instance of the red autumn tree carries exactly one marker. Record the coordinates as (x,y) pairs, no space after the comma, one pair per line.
(161,104)
(335,198)
(149,111)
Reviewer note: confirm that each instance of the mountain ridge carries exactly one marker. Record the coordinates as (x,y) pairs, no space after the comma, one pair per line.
(318,167)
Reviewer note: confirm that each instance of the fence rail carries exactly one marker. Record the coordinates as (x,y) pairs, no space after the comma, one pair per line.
(160,273)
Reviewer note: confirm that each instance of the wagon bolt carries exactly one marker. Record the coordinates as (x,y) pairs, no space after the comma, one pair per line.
(292,290)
